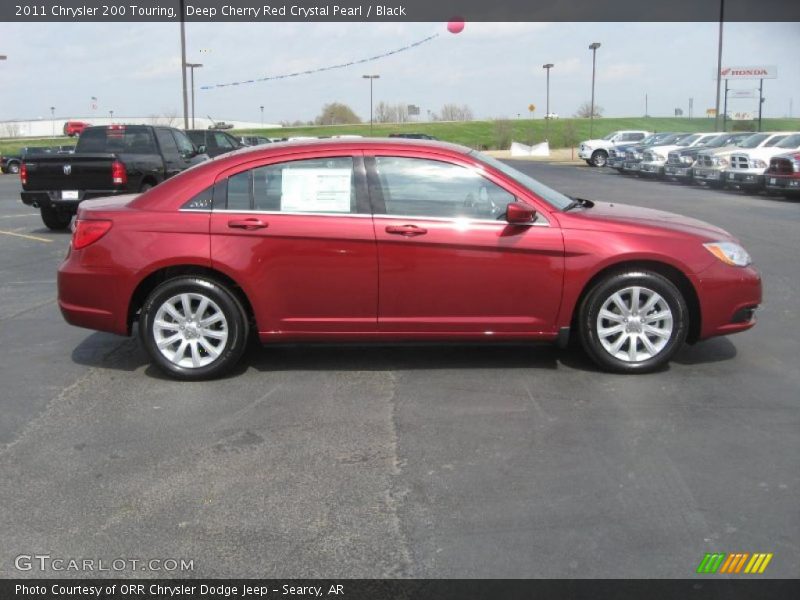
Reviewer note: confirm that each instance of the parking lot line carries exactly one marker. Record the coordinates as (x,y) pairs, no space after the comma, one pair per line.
(26,236)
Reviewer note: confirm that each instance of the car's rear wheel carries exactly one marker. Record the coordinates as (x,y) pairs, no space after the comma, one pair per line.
(599,158)
(193,327)
(55,219)
(13,168)
(633,322)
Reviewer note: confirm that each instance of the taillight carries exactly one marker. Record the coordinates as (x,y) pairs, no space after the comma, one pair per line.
(118,173)
(23,173)
(88,232)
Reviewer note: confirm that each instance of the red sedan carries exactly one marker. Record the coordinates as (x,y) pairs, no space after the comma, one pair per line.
(388,240)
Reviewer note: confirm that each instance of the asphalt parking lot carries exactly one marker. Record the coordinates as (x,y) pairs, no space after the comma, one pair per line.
(447,461)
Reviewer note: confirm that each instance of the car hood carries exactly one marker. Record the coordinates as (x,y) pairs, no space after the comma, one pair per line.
(724,151)
(764,152)
(605,212)
(597,142)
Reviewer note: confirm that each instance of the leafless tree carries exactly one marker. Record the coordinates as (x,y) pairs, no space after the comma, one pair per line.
(454,112)
(585,110)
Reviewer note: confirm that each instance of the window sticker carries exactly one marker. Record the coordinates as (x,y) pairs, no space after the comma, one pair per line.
(316,190)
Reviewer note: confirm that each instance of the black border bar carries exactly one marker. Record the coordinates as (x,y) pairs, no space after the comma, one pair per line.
(710,588)
(412,10)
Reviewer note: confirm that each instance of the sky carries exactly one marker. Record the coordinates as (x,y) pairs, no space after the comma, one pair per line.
(494,68)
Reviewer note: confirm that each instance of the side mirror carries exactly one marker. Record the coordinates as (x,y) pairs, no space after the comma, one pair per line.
(201,149)
(518,213)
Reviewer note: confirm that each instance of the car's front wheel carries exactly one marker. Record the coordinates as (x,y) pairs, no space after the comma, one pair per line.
(633,322)
(13,168)
(193,327)
(599,158)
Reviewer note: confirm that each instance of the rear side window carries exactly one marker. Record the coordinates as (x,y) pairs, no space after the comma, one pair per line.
(774,141)
(324,185)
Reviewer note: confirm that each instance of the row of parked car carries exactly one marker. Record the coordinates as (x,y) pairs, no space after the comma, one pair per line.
(746,160)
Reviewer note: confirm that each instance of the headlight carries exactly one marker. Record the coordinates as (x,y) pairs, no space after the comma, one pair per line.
(759,164)
(637,156)
(730,253)
(658,157)
(687,160)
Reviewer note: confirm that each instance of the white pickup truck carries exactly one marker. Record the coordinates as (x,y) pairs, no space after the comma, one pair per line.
(711,165)
(747,167)
(595,152)
(654,159)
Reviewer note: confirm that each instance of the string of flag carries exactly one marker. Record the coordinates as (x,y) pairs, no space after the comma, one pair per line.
(322,69)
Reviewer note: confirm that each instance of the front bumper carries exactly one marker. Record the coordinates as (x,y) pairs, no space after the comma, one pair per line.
(585,153)
(708,174)
(782,182)
(729,297)
(651,168)
(678,172)
(744,178)
(631,166)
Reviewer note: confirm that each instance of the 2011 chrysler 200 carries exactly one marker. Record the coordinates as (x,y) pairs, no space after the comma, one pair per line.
(388,240)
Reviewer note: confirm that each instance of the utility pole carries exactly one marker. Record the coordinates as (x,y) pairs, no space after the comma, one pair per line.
(760,100)
(371,79)
(183,65)
(646,113)
(547,67)
(192,67)
(719,63)
(262,115)
(593,47)
(53,119)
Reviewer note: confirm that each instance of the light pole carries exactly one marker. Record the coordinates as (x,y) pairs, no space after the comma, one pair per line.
(53,119)
(192,67)
(111,114)
(719,63)
(183,66)
(593,47)
(371,79)
(3,57)
(262,115)
(547,67)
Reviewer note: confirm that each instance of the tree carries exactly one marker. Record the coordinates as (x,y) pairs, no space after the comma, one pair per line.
(585,110)
(337,113)
(385,113)
(453,112)
(503,134)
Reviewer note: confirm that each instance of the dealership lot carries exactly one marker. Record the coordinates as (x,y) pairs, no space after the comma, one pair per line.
(446,461)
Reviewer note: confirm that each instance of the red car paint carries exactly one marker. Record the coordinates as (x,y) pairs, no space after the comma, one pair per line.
(73,128)
(352,277)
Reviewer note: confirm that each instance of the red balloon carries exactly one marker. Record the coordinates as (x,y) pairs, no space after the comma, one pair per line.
(455,26)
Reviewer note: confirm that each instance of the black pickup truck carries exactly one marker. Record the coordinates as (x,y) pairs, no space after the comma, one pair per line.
(111,160)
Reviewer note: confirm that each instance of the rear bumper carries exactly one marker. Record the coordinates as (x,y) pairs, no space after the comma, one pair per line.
(90,298)
(52,198)
(728,299)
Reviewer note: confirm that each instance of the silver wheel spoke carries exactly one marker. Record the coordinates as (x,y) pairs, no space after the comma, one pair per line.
(217,335)
(208,347)
(186,304)
(171,311)
(195,353)
(635,299)
(651,301)
(657,316)
(620,303)
(211,320)
(611,316)
(632,347)
(169,341)
(662,333)
(167,325)
(611,330)
(201,309)
(615,347)
(649,346)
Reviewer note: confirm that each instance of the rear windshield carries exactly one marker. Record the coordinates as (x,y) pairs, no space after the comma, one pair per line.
(126,140)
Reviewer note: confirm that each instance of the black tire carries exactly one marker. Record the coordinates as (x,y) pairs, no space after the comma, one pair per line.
(601,294)
(13,168)
(235,322)
(589,162)
(599,158)
(145,187)
(55,219)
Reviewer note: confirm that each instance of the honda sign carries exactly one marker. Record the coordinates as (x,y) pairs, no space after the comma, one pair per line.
(762,72)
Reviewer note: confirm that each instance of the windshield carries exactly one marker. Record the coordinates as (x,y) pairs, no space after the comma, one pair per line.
(688,141)
(754,140)
(793,141)
(610,135)
(551,196)
(671,139)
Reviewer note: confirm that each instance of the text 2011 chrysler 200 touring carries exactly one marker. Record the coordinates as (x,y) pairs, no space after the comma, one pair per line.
(386,240)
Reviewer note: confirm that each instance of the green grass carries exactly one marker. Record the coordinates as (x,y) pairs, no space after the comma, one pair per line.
(562,133)
(498,134)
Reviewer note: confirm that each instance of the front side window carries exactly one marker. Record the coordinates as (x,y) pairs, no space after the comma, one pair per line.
(221,141)
(429,188)
(323,185)
(184,145)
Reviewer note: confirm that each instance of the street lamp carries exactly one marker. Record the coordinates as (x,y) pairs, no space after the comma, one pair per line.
(719,68)
(111,114)
(183,65)
(53,119)
(547,67)
(262,115)
(593,47)
(371,79)
(192,67)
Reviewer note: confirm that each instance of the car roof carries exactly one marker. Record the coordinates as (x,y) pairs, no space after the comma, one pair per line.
(355,143)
